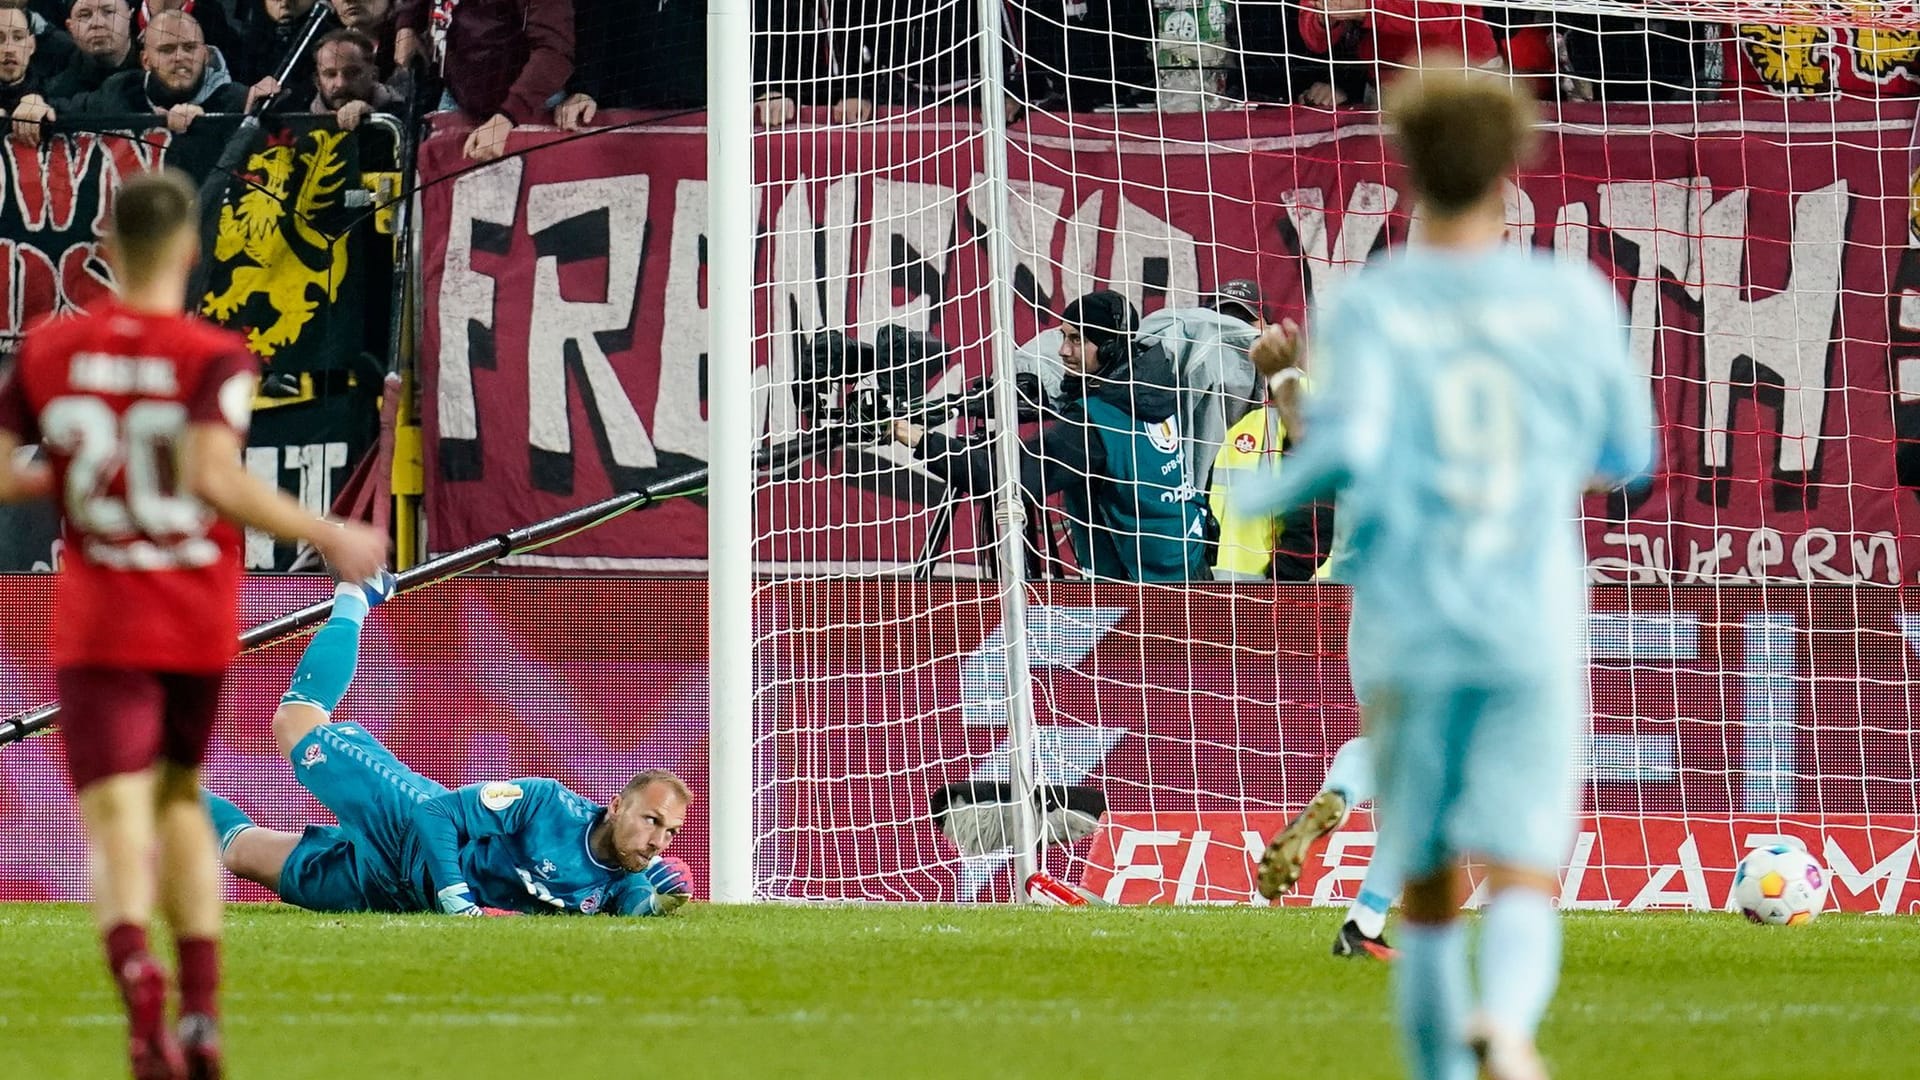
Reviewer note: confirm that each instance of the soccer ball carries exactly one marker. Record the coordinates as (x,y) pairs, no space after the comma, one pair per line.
(1779,885)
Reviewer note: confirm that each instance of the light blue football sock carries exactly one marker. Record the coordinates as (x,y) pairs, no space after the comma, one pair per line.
(326,668)
(1369,910)
(229,820)
(1378,890)
(1351,773)
(1431,992)
(1519,958)
(350,602)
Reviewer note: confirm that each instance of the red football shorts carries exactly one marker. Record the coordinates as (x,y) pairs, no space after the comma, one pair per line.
(120,720)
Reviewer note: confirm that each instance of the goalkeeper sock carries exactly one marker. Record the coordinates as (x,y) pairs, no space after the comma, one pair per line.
(350,602)
(1351,774)
(1430,989)
(1519,959)
(229,820)
(326,668)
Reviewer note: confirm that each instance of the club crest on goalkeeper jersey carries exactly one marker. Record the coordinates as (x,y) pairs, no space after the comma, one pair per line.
(1462,402)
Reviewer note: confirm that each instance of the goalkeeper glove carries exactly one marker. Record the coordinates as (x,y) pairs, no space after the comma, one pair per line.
(672,884)
(457,899)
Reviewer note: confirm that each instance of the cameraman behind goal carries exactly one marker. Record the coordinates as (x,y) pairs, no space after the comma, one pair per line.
(1110,447)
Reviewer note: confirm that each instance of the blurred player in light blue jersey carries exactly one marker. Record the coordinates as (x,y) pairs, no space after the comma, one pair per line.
(405,843)
(1466,393)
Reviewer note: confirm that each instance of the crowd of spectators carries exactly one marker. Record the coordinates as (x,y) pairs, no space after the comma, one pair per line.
(507,63)
(177,60)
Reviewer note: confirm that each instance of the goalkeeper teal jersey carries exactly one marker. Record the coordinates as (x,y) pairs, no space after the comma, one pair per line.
(1462,402)
(518,844)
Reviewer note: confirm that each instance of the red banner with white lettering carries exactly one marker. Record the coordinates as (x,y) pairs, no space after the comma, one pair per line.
(1773,294)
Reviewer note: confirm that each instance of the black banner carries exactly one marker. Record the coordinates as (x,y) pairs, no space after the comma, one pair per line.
(29,537)
(286,270)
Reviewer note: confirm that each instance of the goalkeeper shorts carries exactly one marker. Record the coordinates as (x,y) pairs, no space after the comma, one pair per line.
(331,870)
(373,795)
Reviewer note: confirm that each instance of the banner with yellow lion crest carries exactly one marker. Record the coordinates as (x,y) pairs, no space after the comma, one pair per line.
(283,270)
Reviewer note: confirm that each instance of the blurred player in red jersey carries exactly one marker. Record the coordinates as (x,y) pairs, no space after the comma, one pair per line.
(142,410)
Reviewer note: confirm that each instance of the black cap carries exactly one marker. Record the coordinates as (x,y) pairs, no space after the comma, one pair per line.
(1242,293)
(1102,316)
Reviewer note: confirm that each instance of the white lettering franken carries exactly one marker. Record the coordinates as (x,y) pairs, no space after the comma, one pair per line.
(555,322)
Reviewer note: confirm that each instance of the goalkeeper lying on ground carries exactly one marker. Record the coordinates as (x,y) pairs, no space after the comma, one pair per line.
(405,843)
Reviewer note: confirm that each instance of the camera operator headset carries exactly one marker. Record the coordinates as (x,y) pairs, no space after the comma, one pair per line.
(1110,447)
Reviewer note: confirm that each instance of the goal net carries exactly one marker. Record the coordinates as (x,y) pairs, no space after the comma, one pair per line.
(1154,686)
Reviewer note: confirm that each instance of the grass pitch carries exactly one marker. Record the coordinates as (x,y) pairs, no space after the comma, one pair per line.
(900,991)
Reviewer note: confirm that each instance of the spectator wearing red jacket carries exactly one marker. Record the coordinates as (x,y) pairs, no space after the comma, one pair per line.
(1397,33)
(505,62)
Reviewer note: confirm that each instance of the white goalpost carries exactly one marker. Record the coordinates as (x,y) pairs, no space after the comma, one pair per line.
(730,239)
(1010,510)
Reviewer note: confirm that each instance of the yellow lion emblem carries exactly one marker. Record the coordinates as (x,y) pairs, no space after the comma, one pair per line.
(1881,54)
(1882,49)
(1790,59)
(283,263)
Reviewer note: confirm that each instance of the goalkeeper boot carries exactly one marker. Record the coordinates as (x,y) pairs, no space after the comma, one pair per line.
(1504,1055)
(378,588)
(154,1054)
(1355,942)
(353,599)
(200,1043)
(1287,854)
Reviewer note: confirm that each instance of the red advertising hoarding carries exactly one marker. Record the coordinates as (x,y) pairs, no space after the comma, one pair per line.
(1721,716)
(467,682)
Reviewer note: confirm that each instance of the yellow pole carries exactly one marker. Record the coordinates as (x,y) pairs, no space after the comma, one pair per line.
(409,463)
(409,478)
